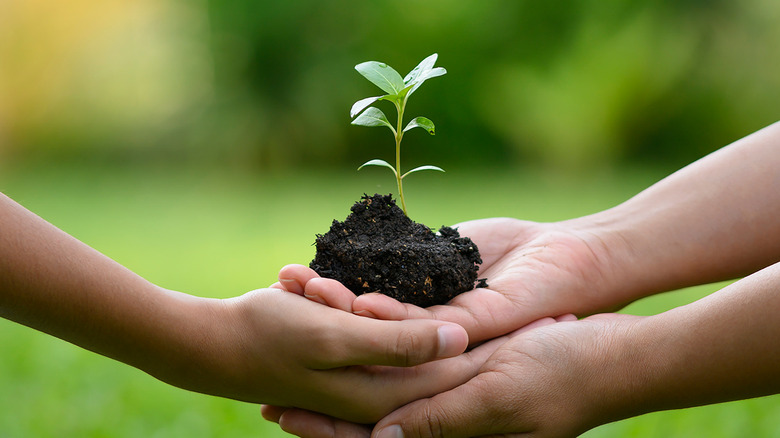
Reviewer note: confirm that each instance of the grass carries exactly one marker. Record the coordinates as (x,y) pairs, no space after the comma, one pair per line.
(218,233)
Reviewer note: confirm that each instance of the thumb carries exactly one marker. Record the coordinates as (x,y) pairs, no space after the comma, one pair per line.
(453,414)
(397,343)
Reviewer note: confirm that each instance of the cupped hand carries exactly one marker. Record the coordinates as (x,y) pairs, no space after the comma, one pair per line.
(271,346)
(555,381)
(534,270)
(491,395)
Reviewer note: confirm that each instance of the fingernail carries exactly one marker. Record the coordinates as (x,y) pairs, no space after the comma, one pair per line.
(449,337)
(365,313)
(393,431)
(316,298)
(291,285)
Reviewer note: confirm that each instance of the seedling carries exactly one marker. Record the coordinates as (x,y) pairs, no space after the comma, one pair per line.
(398,91)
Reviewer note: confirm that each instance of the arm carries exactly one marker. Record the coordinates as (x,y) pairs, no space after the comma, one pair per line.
(564,379)
(714,220)
(265,346)
(52,282)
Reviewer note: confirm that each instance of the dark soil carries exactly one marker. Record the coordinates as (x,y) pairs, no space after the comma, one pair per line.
(379,249)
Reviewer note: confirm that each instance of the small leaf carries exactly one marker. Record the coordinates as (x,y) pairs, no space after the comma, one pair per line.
(373,117)
(378,162)
(362,104)
(381,75)
(417,169)
(424,65)
(421,122)
(438,71)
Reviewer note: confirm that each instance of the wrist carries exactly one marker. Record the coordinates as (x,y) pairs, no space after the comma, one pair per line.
(181,342)
(635,257)
(614,273)
(626,359)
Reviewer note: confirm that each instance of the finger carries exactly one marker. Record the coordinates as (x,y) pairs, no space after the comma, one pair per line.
(329,292)
(543,322)
(536,324)
(495,236)
(484,313)
(613,317)
(272,413)
(380,306)
(308,424)
(395,343)
(462,412)
(293,278)
(567,318)
(399,386)
(371,392)
(276,285)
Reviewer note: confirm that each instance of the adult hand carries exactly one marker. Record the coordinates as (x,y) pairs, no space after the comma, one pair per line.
(555,381)
(534,270)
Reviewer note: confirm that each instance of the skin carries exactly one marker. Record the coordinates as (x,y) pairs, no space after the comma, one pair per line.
(266,346)
(315,425)
(716,219)
(563,379)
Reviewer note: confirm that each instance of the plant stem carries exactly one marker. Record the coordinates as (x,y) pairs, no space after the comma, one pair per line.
(399,134)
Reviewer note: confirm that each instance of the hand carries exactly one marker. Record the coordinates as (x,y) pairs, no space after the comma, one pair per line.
(555,381)
(314,425)
(267,346)
(534,270)
(270,346)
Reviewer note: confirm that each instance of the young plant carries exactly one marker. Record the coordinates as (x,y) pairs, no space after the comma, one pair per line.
(398,91)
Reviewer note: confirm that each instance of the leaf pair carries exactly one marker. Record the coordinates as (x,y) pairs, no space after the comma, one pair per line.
(398,91)
(386,78)
(375,117)
(378,162)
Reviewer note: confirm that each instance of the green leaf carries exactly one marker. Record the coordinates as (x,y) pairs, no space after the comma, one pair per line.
(421,73)
(378,162)
(381,75)
(373,117)
(362,104)
(424,65)
(417,169)
(421,122)
(438,71)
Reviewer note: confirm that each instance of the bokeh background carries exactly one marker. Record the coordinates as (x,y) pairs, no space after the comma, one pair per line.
(204,143)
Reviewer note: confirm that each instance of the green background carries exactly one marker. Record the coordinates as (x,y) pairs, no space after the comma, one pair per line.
(203,144)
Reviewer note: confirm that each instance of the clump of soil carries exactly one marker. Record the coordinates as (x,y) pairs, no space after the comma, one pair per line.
(379,249)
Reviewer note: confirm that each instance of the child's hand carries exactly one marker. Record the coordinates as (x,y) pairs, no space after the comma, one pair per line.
(271,346)
(304,281)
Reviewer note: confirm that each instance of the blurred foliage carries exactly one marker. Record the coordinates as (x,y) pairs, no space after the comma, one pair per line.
(269,83)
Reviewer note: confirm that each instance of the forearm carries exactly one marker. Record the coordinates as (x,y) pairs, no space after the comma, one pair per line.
(716,219)
(721,348)
(52,282)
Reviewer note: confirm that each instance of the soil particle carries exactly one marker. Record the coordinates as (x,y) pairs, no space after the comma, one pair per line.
(379,249)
